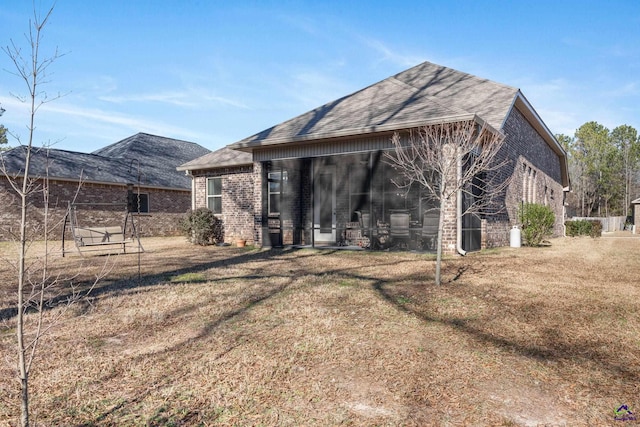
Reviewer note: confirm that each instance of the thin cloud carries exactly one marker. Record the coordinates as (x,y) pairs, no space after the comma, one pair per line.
(132,123)
(312,88)
(391,55)
(301,22)
(171,98)
(629,89)
(189,99)
(225,101)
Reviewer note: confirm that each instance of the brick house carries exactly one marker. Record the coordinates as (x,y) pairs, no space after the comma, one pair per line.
(321,179)
(145,162)
(227,189)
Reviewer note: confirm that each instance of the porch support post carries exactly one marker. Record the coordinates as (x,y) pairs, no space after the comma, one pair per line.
(258,203)
(313,203)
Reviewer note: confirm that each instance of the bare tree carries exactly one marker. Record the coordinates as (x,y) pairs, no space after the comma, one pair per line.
(32,70)
(451,161)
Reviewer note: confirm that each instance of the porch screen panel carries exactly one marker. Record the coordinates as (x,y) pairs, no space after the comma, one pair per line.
(359,183)
(326,205)
(471,226)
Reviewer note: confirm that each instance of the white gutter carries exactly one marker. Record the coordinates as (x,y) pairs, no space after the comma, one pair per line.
(193,189)
(459,210)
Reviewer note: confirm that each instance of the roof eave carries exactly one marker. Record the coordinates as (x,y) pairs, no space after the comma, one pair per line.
(249,146)
(96,182)
(201,166)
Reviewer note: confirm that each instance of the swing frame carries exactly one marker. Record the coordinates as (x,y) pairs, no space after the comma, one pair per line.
(99,238)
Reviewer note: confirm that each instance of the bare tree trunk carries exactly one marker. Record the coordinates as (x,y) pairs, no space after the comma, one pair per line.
(22,360)
(32,71)
(431,157)
(438,278)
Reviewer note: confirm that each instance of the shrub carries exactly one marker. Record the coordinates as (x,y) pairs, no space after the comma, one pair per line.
(596,229)
(202,227)
(580,227)
(537,223)
(583,227)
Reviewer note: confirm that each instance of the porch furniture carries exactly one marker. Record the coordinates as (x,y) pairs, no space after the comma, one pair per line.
(377,236)
(99,237)
(364,220)
(399,231)
(429,233)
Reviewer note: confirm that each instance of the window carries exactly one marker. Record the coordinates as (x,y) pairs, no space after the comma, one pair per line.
(214,195)
(137,202)
(525,180)
(143,201)
(275,190)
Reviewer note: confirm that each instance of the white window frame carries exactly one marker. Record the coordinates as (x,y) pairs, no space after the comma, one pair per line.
(211,197)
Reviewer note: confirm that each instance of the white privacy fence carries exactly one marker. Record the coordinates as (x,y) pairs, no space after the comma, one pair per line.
(609,223)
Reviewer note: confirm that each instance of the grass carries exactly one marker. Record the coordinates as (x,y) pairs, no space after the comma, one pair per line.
(228,336)
(189,278)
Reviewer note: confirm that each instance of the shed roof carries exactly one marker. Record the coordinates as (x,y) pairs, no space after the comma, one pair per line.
(117,163)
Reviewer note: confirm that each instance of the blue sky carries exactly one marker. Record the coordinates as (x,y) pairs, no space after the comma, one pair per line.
(214,72)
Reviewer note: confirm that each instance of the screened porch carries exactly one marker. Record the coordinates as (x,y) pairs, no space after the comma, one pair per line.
(349,201)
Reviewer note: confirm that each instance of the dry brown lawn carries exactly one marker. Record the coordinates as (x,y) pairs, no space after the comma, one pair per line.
(227,336)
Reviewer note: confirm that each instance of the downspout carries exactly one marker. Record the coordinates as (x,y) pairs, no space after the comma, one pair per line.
(459,210)
(193,189)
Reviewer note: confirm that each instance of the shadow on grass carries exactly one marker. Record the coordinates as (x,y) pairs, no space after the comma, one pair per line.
(106,287)
(554,349)
(257,296)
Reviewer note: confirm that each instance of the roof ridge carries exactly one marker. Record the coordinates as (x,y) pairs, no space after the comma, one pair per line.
(165,137)
(432,98)
(473,76)
(425,91)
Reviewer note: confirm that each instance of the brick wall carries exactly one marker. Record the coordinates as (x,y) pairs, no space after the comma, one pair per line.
(534,170)
(166,208)
(238,200)
(532,167)
(450,222)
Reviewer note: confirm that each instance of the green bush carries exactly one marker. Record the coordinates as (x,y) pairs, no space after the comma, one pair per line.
(202,227)
(583,227)
(596,229)
(537,223)
(580,227)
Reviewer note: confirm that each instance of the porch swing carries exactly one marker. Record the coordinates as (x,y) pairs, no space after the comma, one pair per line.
(96,238)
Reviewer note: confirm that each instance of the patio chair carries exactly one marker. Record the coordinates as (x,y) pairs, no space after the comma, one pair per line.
(364,219)
(429,232)
(399,232)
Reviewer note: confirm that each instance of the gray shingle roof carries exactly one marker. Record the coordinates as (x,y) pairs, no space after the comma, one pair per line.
(424,93)
(65,165)
(158,156)
(221,158)
(116,163)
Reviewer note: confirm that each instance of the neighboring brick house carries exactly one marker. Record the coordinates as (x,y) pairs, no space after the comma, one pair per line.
(100,179)
(320,176)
